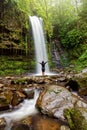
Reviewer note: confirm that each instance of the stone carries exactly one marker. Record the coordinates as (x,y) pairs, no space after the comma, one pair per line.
(63,127)
(54,100)
(2,123)
(17,98)
(29,93)
(20,127)
(1,85)
(5,98)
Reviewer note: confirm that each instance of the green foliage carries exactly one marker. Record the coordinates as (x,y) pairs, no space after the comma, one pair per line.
(83,56)
(81,63)
(71,39)
(67,114)
(14,66)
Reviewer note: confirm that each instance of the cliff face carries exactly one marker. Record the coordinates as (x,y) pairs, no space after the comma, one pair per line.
(12,28)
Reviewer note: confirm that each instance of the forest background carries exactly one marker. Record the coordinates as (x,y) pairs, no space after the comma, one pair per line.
(65,23)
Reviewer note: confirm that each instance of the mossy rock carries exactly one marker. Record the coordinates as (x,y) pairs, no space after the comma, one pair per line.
(76,119)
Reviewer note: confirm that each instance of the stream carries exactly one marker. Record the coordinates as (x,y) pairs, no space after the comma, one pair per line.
(27,109)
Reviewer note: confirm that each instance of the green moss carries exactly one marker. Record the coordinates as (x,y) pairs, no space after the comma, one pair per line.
(54,91)
(67,115)
(81,63)
(78,120)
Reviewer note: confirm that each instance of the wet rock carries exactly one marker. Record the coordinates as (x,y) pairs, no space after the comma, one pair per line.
(54,100)
(20,127)
(5,98)
(30,80)
(29,93)
(17,98)
(2,123)
(4,107)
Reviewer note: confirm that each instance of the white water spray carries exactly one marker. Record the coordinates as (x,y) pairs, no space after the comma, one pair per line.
(39,41)
(27,108)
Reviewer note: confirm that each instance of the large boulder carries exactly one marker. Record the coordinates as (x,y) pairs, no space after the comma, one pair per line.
(54,100)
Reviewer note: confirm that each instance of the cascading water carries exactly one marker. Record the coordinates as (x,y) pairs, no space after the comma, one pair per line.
(39,41)
(27,108)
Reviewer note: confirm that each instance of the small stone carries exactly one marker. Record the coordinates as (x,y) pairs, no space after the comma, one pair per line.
(1,85)
(65,127)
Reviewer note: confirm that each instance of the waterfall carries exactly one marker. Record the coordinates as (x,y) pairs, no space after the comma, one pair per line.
(39,42)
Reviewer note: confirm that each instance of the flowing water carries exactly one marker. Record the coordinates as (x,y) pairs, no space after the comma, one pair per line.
(27,108)
(39,42)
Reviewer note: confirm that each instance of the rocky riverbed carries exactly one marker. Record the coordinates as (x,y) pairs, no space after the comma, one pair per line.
(61,97)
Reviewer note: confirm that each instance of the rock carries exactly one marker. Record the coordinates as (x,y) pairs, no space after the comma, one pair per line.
(63,127)
(5,98)
(29,93)
(54,100)
(9,77)
(73,85)
(81,104)
(12,82)
(4,107)
(20,127)
(81,79)
(2,123)
(17,98)
(1,85)
(84,70)
(77,118)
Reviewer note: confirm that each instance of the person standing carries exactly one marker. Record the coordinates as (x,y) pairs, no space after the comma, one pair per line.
(43,67)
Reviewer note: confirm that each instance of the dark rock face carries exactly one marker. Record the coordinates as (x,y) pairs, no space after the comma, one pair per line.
(81,79)
(73,85)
